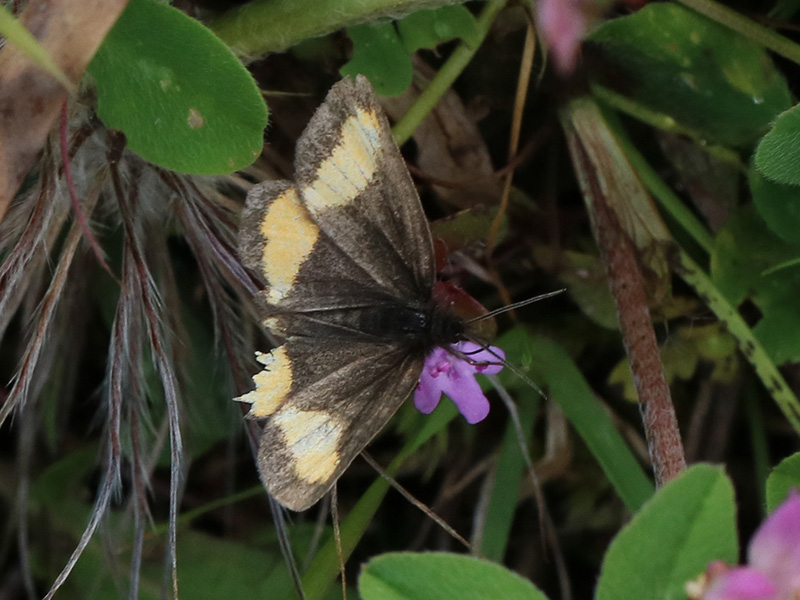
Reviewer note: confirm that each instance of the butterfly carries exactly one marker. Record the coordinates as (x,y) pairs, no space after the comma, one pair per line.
(347,256)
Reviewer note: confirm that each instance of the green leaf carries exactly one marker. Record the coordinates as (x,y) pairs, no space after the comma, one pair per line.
(211,416)
(683,352)
(382,52)
(587,285)
(779,206)
(782,479)
(437,575)
(687,524)
(462,228)
(324,569)
(180,96)
(429,28)
(784,10)
(745,249)
(705,79)
(547,362)
(248,571)
(59,490)
(778,153)
(510,470)
(379,54)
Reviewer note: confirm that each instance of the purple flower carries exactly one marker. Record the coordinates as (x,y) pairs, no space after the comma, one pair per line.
(445,372)
(563,24)
(773,557)
(742,583)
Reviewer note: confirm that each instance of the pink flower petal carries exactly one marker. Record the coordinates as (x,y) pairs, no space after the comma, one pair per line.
(563,24)
(426,397)
(775,547)
(428,392)
(445,372)
(742,583)
(465,392)
(477,354)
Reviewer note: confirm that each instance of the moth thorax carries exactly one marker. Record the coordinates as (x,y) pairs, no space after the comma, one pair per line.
(430,326)
(445,327)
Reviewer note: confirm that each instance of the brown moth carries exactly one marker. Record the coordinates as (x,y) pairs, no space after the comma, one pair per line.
(347,255)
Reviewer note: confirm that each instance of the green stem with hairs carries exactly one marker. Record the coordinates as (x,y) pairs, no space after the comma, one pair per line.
(263,26)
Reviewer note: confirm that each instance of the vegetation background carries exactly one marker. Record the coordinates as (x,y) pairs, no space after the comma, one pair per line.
(643,156)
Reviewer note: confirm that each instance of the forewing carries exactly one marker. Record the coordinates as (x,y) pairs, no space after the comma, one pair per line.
(304,270)
(354,183)
(252,239)
(324,403)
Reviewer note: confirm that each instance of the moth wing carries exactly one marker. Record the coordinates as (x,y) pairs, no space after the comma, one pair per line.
(252,240)
(354,183)
(304,269)
(349,233)
(333,402)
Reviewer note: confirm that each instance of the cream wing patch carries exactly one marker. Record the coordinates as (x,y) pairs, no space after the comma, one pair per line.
(350,167)
(312,438)
(289,237)
(272,383)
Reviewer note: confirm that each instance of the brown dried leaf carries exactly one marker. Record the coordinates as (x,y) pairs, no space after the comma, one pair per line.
(450,147)
(602,168)
(30,99)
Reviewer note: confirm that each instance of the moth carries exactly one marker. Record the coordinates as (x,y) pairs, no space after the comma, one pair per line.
(347,256)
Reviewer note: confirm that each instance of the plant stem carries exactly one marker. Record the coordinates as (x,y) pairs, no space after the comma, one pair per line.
(668,200)
(752,349)
(449,72)
(263,26)
(612,194)
(627,287)
(747,27)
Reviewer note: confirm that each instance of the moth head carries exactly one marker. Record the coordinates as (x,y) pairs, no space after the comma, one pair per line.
(459,303)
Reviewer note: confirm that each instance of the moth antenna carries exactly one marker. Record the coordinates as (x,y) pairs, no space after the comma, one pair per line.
(337,535)
(514,306)
(420,505)
(500,360)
